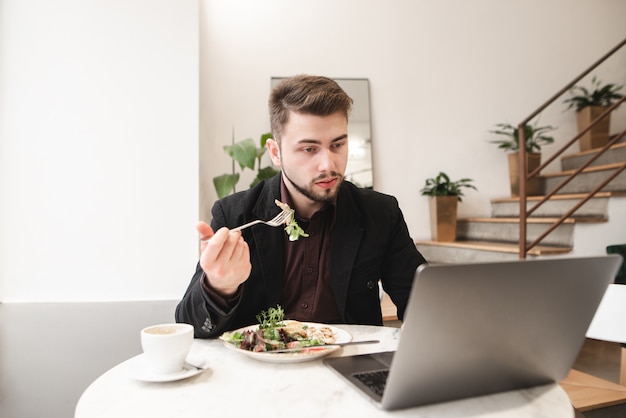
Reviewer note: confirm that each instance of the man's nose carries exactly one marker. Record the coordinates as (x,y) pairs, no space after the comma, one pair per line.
(326,161)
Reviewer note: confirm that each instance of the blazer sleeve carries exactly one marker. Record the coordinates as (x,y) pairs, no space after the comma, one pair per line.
(401,261)
(196,307)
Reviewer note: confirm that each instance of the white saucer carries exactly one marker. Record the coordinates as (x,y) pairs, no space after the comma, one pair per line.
(137,369)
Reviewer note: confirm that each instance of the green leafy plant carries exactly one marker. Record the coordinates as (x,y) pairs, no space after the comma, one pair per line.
(271,318)
(598,95)
(443,186)
(248,155)
(535,137)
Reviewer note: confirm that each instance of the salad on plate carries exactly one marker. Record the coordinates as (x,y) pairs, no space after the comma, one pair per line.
(276,333)
(304,341)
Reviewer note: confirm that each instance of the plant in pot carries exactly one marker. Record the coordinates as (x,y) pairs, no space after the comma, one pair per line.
(589,105)
(535,137)
(444,195)
(248,155)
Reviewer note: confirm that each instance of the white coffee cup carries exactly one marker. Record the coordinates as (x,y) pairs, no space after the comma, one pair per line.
(165,346)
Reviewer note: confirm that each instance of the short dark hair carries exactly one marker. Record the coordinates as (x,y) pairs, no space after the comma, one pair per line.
(314,95)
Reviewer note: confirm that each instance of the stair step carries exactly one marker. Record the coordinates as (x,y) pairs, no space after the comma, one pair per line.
(507,230)
(536,220)
(498,247)
(556,206)
(615,154)
(480,251)
(587,180)
(561,196)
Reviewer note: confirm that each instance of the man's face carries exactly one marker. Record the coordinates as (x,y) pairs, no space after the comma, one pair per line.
(313,154)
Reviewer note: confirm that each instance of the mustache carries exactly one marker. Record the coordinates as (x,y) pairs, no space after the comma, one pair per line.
(323,177)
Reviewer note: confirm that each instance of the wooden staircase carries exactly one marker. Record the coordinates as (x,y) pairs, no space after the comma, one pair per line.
(497,238)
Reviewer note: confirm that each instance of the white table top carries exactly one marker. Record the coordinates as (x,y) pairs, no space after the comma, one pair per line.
(609,322)
(236,385)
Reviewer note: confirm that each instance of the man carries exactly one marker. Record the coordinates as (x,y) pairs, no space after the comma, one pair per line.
(356,236)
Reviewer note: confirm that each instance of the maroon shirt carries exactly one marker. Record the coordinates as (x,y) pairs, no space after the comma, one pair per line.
(306,293)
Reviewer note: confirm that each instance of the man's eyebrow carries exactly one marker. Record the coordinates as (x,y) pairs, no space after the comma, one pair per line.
(317,141)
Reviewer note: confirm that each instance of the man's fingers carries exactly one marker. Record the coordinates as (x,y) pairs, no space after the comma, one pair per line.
(204,230)
(230,245)
(211,248)
(240,249)
(222,245)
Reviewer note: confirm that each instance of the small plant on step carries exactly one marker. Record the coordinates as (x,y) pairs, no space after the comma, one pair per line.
(598,95)
(441,185)
(535,137)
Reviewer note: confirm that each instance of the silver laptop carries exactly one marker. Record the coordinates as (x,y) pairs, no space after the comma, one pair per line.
(477,329)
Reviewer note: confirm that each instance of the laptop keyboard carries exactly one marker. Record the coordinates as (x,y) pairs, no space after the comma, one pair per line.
(375,380)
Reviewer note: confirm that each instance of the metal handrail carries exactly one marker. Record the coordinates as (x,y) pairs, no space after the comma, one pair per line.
(525,176)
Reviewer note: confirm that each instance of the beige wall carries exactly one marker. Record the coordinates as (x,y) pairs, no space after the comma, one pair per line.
(441,73)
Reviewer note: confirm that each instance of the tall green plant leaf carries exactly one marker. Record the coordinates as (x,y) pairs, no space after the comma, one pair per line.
(225,184)
(262,149)
(264,139)
(244,152)
(264,173)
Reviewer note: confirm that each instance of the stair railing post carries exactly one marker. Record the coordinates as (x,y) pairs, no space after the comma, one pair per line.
(523,178)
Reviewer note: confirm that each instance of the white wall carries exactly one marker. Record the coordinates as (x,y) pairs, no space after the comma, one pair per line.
(441,73)
(98,149)
(99,114)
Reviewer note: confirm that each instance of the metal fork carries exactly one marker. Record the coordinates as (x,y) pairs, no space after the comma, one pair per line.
(275,221)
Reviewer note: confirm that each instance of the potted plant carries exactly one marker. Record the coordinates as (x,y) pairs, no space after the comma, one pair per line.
(444,195)
(535,137)
(589,105)
(248,155)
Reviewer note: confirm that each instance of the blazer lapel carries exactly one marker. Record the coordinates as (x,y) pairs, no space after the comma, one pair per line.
(270,241)
(344,244)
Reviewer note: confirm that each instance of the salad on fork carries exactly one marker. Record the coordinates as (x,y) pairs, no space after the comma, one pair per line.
(293,229)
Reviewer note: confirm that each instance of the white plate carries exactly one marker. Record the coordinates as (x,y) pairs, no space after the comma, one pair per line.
(138,369)
(312,353)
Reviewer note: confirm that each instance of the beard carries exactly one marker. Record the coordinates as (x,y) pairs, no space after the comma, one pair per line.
(324,196)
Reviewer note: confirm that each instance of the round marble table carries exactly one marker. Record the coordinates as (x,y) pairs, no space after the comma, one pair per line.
(236,385)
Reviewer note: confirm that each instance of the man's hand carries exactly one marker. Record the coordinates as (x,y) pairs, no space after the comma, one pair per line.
(225,258)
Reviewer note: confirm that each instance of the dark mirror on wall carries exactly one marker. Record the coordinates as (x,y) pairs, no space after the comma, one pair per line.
(359,169)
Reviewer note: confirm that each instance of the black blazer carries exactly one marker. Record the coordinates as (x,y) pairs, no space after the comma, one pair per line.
(369,242)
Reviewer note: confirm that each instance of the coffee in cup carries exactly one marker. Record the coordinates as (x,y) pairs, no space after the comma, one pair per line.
(165,346)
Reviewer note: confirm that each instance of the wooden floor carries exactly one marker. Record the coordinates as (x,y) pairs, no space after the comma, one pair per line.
(593,384)
(600,358)
(50,353)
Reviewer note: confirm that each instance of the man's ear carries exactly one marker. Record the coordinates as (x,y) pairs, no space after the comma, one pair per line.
(274,151)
